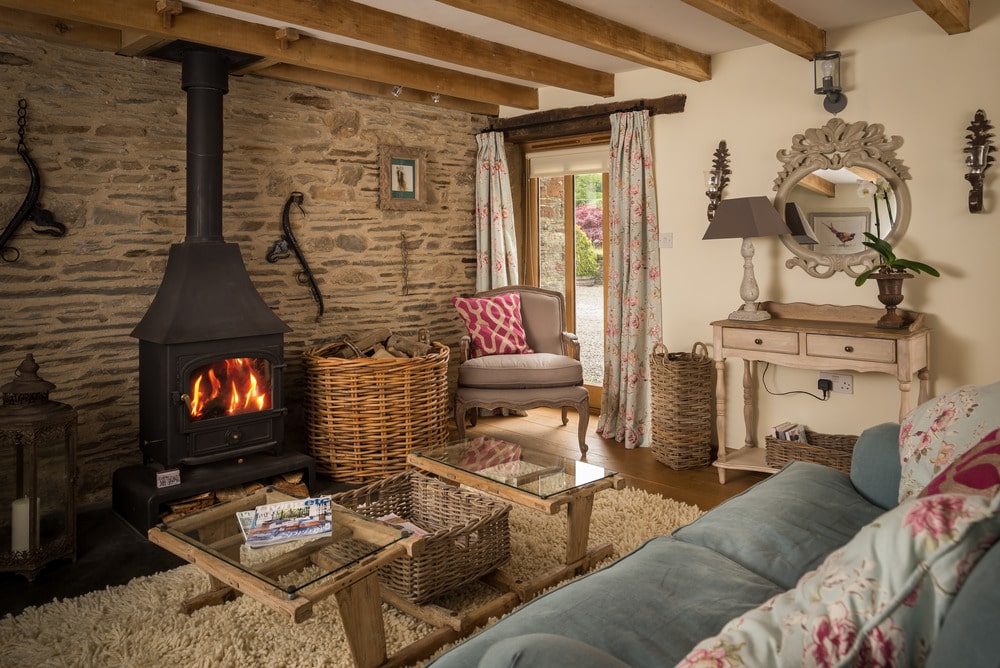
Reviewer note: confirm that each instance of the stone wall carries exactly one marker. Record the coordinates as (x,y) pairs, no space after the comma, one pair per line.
(108,135)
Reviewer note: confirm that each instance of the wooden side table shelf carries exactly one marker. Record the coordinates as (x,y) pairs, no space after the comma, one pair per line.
(819,337)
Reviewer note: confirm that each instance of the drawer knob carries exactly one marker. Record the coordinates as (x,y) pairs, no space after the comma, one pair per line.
(848,349)
(758,341)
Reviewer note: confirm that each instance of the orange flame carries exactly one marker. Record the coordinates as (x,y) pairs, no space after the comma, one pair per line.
(230,387)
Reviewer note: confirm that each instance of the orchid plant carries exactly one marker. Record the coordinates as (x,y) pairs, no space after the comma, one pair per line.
(889,262)
(876,190)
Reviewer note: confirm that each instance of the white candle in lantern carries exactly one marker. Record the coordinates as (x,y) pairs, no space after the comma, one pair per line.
(20,521)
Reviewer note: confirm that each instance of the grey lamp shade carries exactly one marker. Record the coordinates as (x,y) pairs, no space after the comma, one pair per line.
(743,217)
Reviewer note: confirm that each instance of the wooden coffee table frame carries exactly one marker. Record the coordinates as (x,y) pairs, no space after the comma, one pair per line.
(355,589)
(451,626)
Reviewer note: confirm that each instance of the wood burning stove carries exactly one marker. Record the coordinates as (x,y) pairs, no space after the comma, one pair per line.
(211,351)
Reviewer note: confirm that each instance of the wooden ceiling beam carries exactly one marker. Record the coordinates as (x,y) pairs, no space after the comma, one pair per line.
(818,185)
(768,21)
(137,43)
(51,27)
(579,120)
(376,26)
(952,15)
(572,24)
(205,28)
(312,77)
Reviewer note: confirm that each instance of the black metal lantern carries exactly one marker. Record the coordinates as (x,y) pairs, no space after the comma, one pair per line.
(826,78)
(37,474)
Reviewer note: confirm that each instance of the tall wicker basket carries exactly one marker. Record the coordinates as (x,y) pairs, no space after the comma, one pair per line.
(364,415)
(681,386)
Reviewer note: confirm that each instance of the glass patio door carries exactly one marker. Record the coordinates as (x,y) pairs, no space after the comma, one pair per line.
(569,221)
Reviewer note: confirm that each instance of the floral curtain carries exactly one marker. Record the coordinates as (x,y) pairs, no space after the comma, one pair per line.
(496,245)
(634,306)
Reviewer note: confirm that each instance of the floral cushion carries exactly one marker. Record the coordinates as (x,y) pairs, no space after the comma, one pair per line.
(933,434)
(975,472)
(494,323)
(877,601)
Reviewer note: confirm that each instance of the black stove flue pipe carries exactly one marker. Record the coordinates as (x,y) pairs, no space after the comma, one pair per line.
(205,79)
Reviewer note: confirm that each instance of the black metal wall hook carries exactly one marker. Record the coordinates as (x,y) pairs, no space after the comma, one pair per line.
(29,209)
(281,247)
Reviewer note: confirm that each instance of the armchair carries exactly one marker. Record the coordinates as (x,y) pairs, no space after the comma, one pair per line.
(551,375)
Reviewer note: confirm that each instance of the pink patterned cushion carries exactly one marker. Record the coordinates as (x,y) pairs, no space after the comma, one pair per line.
(494,323)
(977,471)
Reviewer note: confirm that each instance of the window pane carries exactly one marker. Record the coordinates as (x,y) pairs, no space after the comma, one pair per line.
(552,234)
(589,326)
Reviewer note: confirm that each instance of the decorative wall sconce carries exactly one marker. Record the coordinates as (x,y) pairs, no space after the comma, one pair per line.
(979,158)
(826,77)
(717,179)
(436,97)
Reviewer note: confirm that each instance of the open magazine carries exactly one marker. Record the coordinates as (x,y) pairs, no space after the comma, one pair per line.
(280,522)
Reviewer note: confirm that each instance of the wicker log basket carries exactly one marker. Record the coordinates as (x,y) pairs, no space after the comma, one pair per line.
(364,415)
(681,385)
(468,533)
(833,450)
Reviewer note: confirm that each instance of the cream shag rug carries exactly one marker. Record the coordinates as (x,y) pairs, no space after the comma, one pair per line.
(137,625)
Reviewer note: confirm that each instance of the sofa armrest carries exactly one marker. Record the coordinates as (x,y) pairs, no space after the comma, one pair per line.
(571,345)
(875,468)
(466,350)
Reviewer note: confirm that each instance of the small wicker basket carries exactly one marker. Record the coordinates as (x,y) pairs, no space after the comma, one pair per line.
(681,386)
(468,533)
(364,415)
(833,450)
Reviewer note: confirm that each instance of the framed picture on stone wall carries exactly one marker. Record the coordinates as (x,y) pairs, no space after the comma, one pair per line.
(402,178)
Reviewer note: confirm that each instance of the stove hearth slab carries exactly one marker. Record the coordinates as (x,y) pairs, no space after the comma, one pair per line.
(136,498)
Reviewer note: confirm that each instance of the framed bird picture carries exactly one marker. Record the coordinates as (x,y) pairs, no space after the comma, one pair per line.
(840,232)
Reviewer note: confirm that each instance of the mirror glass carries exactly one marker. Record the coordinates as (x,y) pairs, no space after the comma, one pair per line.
(839,182)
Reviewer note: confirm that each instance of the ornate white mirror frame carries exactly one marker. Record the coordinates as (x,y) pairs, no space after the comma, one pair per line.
(839,145)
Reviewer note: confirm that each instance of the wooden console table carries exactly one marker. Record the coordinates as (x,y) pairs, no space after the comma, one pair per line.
(820,337)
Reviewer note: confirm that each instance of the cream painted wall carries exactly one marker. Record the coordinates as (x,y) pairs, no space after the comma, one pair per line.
(920,83)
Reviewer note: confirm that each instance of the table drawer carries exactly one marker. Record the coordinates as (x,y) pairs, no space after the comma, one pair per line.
(755,339)
(851,348)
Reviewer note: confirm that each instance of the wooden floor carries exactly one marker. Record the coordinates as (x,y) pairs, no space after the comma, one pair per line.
(543,427)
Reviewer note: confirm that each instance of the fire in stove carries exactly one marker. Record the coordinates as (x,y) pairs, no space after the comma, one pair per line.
(229,387)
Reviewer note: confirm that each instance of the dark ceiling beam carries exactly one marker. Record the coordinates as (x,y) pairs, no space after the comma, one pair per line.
(211,29)
(579,120)
(572,24)
(79,33)
(768,21)
(952,15)
(375,26)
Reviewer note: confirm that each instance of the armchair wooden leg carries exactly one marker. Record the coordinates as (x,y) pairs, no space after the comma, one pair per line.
(565,415)
(583,412)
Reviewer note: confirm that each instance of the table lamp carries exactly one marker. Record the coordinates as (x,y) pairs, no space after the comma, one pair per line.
(745,218)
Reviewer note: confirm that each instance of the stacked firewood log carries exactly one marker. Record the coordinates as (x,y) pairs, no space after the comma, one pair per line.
(383,344)
(290,483)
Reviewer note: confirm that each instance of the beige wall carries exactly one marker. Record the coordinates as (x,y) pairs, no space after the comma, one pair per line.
(920,83)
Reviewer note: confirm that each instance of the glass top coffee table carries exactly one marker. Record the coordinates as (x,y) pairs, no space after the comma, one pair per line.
(532,478)
(212,540)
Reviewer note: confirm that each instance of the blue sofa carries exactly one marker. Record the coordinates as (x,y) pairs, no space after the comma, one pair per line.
(653,606)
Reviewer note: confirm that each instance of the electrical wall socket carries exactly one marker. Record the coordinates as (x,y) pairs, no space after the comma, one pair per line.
(666,239)
(842,382)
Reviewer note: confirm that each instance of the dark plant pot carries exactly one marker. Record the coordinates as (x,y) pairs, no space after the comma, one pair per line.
(890,293)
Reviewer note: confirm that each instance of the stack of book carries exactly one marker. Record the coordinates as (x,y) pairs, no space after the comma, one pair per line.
(280,522)
(790,431)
